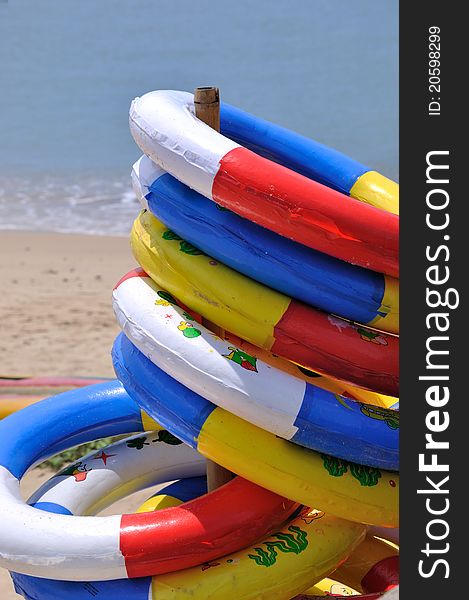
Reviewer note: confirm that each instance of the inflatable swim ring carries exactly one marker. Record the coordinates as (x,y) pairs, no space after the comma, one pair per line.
(328,587)
(326,383)
(175,494)
(164,126)
(83,548)
(247,387)
(327,283)
(268,319)
(350,491)
(374,567)
(100,478)
(309,158)
(308,546)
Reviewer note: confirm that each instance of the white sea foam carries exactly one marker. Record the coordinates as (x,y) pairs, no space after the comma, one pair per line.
(85,203)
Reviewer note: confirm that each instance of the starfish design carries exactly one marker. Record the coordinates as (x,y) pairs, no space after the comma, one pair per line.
(103,456)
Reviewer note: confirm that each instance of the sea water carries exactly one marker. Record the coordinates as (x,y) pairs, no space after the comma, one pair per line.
(70,68)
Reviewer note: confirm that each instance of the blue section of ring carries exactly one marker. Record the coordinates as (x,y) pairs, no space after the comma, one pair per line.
(185,489)
(69,419)
(177,408)
(52,507)
(338,426)
(324,423)
(290,149)
(35,588)
(291,268)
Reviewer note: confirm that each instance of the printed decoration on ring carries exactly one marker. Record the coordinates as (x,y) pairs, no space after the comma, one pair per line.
(312,277)
(361,356)
(69,547)
(355,492)
(164,126)
(96,480)
(336,386)
(246,386)
(308,546)
(326,383)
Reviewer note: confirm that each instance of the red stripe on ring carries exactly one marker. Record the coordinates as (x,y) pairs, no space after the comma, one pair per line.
(224,521)
(307,211)
(138,272)
(382,576)
(335,347)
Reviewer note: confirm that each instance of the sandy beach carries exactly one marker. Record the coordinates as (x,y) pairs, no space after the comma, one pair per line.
(57,317)
(56,302)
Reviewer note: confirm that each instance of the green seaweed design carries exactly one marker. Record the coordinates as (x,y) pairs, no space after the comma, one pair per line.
(169,236)
(188,248)
(184,246)
(335,466)
(295,542)
(367,476)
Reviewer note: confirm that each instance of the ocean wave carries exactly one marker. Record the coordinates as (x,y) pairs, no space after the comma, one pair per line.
(67,203)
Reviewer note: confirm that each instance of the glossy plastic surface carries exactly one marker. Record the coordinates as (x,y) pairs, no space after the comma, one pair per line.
(268,319)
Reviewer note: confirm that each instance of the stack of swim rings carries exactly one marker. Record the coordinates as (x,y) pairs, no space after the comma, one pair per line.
(259,331)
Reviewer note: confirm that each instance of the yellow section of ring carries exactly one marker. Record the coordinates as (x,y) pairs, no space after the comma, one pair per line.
(328,587)
(377,190)
(348,490)
(159,502)
(303,552)
(162,259)
(389,306)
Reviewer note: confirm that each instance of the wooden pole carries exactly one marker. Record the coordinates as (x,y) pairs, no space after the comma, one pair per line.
(207,106)
(207,109)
